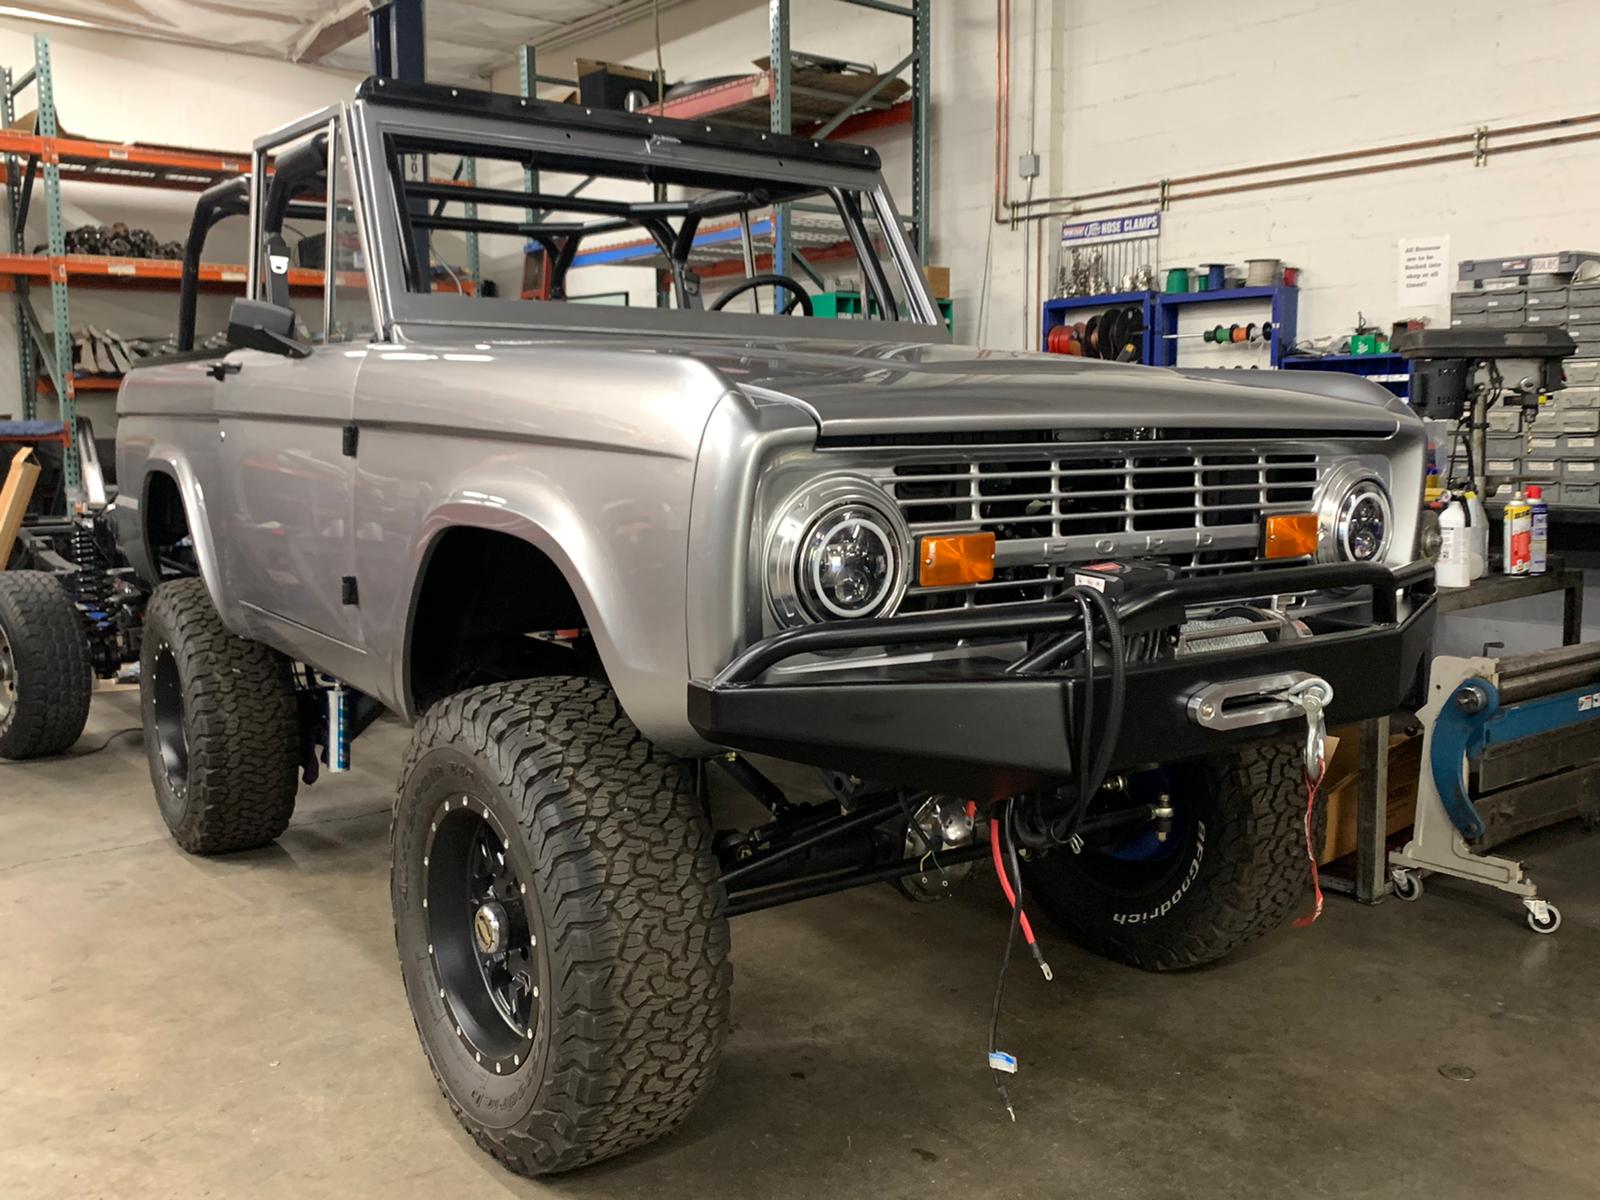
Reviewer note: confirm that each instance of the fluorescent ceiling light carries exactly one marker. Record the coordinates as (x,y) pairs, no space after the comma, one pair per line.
(28,14)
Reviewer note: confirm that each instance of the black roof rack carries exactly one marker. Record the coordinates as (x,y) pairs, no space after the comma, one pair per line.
(440,98)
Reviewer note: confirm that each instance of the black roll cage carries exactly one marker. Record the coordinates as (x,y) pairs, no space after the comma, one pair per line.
(299,172)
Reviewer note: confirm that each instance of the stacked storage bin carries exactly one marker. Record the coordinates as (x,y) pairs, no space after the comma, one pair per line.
(1562,448)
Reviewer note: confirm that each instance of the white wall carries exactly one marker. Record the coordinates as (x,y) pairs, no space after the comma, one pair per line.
(1156,88)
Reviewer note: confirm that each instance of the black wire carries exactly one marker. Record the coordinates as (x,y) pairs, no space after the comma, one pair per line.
(1000,980)
(1119,688)
(1086,723)
(95,749)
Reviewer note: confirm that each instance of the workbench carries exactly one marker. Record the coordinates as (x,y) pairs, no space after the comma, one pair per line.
(1371,881)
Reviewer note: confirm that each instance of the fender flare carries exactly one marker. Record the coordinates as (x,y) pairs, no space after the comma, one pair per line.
(192,499)
(457,513)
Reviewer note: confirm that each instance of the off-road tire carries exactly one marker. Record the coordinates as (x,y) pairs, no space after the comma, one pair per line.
(626,904)
(236,715)
(1241,873)
(48,654)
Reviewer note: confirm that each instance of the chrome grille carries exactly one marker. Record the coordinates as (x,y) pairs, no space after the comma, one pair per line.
(1200,511)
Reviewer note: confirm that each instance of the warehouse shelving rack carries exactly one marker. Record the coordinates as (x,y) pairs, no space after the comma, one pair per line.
(36,162)
(1392,371)
(1065,310)
(774,88)
(1161,309)
(1282,301)
(767,97)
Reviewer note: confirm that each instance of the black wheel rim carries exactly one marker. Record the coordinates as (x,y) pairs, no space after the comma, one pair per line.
(482,935)
(172,735)
(8,680)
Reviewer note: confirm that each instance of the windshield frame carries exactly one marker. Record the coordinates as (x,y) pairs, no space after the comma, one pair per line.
(372,124)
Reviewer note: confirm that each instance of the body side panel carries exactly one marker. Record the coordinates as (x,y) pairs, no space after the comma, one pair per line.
(166,425)
(585,453)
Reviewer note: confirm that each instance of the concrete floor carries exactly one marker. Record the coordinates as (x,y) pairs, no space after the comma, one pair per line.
(171,1026)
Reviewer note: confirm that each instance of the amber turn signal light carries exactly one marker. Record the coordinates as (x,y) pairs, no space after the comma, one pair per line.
(1291,535)
(956,558)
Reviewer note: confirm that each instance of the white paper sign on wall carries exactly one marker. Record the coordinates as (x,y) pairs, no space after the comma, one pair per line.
(1424,273)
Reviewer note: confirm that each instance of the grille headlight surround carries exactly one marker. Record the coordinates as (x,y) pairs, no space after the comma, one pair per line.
(1356,518)
(839,549)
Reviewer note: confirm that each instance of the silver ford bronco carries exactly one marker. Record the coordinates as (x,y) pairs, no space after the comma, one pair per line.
(606,538)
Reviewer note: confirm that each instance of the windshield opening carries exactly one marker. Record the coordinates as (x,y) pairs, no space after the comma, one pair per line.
(529,224)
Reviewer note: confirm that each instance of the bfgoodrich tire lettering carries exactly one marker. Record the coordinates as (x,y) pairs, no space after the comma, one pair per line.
(45,678)
(623,902)
(1238,873)
(220,728)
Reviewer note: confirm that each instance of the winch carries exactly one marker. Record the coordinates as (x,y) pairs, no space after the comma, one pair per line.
(1510,745)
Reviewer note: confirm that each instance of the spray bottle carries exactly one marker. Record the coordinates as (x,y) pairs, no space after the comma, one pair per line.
(1477,534)
(1518,531)
(1539,530)
(1454,568)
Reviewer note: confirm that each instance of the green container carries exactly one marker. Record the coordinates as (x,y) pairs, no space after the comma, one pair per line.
(1364,343)
(1177,280)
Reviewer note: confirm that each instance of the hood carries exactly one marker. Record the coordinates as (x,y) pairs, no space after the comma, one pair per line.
(872,389)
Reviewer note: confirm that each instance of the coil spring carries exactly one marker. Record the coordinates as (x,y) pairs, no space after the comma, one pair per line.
(90,584)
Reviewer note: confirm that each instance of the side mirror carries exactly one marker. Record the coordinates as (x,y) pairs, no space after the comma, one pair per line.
(259,325)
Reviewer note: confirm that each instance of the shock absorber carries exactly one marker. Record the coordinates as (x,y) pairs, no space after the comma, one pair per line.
(338,700)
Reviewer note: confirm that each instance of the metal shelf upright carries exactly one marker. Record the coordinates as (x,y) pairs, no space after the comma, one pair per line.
(56,350)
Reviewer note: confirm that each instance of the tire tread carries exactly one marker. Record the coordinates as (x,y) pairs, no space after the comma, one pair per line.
(47,643)
(244,741)
(634,909)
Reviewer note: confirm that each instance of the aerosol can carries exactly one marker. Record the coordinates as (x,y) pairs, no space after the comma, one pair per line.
(1539,529)
(1518,522)
(1454,568)
(1478,535)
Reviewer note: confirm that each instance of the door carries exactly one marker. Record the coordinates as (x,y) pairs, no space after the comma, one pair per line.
(283,421)
(289,543)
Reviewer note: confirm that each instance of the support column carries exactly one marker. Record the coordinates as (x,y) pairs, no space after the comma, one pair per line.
(782,70)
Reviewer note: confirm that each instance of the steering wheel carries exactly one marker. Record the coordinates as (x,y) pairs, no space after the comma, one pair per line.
(800,301)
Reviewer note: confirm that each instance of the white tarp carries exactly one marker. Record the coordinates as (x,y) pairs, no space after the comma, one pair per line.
(466,38)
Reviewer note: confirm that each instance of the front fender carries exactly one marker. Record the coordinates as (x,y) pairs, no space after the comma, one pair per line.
(618,537)
(141,456)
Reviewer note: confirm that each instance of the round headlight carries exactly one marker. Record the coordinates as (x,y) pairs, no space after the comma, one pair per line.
(1359,523)
(847,563)
(837,551)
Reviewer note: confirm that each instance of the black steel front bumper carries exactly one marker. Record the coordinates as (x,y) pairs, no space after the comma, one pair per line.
(973,728)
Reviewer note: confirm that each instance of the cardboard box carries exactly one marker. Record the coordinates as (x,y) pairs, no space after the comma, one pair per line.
(938,281)
(1342,788)
(14,497)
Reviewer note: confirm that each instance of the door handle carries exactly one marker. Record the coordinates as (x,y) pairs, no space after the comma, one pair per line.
(221,370)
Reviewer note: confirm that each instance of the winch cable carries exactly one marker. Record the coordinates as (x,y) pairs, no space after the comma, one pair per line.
(1006,821)
(1313,786)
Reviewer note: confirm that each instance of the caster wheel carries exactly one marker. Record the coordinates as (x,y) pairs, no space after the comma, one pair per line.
(1549,924)
(1407,887)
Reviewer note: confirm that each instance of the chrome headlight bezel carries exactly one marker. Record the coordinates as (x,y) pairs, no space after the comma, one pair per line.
(794,595)
(1346,495)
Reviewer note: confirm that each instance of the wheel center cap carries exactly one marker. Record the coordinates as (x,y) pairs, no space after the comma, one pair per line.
(489,928)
